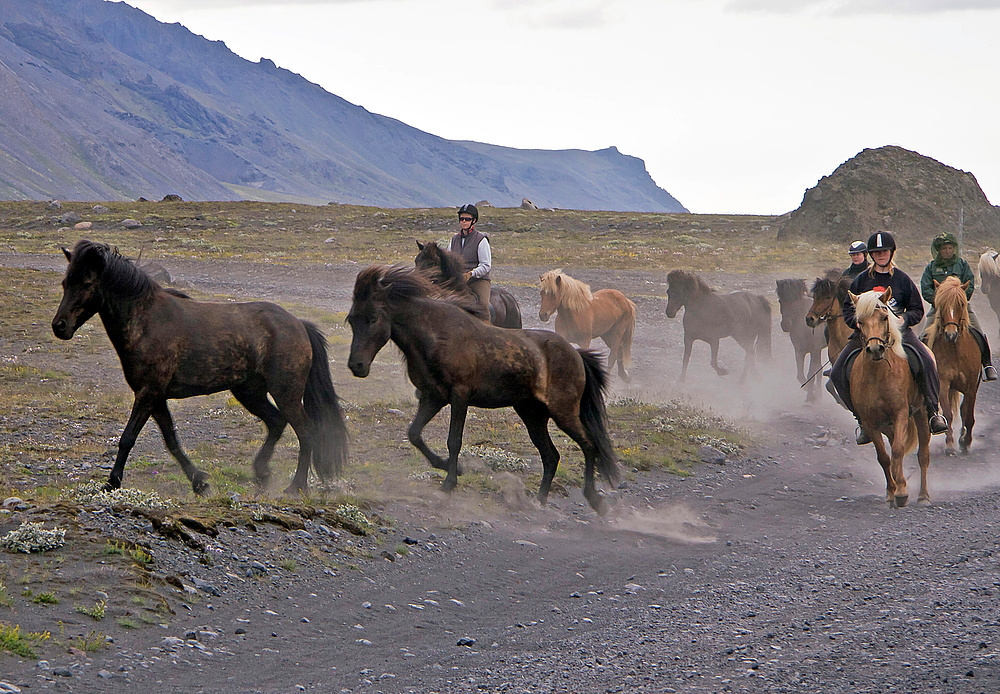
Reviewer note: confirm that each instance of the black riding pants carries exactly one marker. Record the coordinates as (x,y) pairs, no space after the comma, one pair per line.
(928,381)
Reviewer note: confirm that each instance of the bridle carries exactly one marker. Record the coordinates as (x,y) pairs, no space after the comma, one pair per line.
(827,313)
(883,341)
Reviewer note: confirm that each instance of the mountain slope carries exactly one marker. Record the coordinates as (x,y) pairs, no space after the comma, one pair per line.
(98,100)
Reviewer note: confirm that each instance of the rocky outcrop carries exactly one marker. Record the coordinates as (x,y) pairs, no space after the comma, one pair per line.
(894,189)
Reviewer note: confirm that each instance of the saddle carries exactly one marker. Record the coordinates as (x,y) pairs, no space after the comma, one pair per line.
(912,358)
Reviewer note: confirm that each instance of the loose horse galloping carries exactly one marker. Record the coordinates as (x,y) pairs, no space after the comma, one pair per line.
(794,302)
(171,346)
(989,278)
(581,316)
(455,359)
(446,269)
(886,396)
(958,358)
(709,317)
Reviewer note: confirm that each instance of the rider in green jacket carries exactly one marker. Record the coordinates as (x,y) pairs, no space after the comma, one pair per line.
(948,263)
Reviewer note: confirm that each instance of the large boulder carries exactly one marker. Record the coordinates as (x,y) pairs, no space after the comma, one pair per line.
(893,189)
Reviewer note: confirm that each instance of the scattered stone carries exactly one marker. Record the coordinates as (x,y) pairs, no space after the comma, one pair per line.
(466,641)
(528,205)
(633,588)
(54,205)
(157,273)
(83,226)
(70,218)
(12,502)
(710,454)
(62,672)
(387,555)
(131,223)
(239,631)
(101,209)
(410,541)
(172,197)
(42,664)
(205,586)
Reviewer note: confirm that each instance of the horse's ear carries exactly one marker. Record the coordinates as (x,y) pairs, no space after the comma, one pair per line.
(854,297)
(937,284)
(69,256)
(558,280)
(886,295)
(965,285)
(420,246)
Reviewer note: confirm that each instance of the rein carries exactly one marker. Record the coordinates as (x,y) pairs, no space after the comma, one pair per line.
(828,313)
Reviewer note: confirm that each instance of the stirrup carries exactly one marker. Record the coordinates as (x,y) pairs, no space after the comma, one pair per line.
(861,437)
(938,424)
(989,373)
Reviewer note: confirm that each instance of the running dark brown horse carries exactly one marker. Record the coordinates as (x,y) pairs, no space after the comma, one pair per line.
(957,355)
(171,346)
(447,269)
(709,317)
(794,303)
(455,359)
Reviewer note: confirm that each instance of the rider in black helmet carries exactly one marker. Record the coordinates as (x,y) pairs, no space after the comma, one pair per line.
(474,247)
(906,304)
(858,250)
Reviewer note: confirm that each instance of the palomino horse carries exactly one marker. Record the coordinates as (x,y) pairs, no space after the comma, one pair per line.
(710,317)
(887,399)
(989,278)
(958,358)
(447,269)
(171,346)
(828,293)
(794,302)
(581,316)
(453,358)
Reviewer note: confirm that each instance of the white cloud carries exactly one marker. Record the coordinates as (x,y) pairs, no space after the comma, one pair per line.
(853,7)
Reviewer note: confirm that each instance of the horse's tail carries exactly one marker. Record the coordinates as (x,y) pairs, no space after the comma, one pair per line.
(594,415)
(763,348)
(625,351)
(323,409)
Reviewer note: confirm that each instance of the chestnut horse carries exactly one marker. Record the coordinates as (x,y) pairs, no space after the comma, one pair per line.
(958,358)
(710,317)
(887,399)
(581,316)
(453,358)
(794,302)
(989,278)
(171,346)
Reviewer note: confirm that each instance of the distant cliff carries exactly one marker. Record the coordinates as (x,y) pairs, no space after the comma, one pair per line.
(99,101)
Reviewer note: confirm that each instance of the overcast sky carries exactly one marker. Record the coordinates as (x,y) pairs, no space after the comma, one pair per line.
(736,106)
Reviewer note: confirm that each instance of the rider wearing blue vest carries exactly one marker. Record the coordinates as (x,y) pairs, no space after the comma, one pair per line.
(905,303)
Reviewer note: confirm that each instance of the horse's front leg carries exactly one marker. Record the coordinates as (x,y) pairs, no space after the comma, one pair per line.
(900,427)
(426,409)
(459,410)
(968,419)
(923,457)
(715,359)
(198,479)
(800,364)
(688,345)
(141,409)
(883,459)
(949,406)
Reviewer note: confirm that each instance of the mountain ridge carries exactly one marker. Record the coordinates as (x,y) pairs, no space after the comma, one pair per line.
(102,101)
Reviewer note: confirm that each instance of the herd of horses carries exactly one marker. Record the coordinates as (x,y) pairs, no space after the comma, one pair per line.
(276,365)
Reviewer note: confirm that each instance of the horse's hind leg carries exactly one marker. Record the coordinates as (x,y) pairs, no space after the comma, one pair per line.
(574,429)
(257,404)
(141,409)
(198,478)
(290,407)
(715,359)
(536,421)
(459,410)
(923,456)
(968,420)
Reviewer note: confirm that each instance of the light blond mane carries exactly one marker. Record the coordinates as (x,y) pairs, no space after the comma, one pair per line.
(989,265)
(949,296)
(870,302)
(573,294)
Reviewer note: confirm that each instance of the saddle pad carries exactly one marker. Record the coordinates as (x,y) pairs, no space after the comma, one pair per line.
(911,357)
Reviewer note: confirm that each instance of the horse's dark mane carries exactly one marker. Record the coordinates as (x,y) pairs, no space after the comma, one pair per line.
(120,275)
(406,283)
(696,283)
(826,287)
(451,265)
(791,289)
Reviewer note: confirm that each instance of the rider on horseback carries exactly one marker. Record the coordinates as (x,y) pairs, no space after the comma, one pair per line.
(858,251)
(906,304)
(474,247)
(946,263)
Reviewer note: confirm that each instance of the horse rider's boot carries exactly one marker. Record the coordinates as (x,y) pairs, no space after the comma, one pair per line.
(989,373)
(860,436)
(938,423)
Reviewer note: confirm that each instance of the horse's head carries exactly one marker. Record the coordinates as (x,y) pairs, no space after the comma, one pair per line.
(790,292)
(824,305)
(952,306)
(680,286)
(429,256)
(550,286)
(368,318)
(879,327)
(81,287)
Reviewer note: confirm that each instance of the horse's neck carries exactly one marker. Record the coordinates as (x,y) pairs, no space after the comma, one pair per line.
(123,319)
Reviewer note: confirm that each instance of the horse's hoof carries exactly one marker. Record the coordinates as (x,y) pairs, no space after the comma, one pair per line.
(924,501)
(201,488)
(949,452)
(292,490)
(900,500)
(722,372)
(111,485)
(448,484)
(625,377)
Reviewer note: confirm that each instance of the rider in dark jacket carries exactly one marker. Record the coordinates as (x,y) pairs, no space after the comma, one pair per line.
(858,251)
(948,263)
(906,303)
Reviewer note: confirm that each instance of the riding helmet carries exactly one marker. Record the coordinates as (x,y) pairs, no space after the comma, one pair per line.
(469,209)
(881,241)
(858,247)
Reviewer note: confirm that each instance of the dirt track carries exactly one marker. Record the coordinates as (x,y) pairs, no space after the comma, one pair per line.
(784,572)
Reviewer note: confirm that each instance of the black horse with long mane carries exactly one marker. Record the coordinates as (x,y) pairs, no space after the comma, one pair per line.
(453,358)
(171,346)
(447,269)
